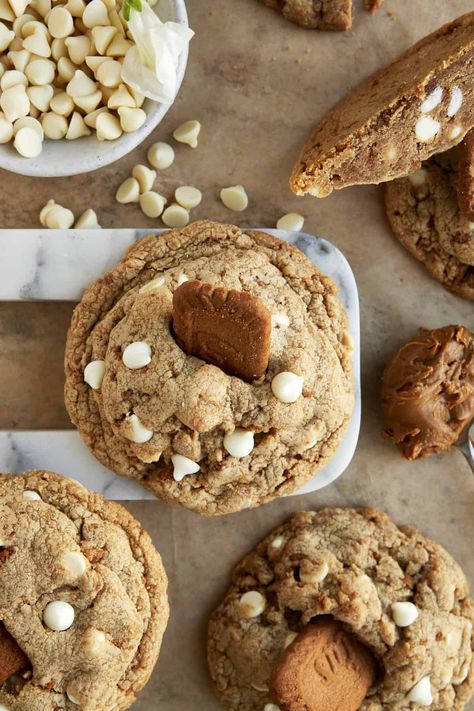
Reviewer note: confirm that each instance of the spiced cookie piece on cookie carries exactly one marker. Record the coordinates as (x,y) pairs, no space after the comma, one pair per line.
(423,211)
(319,15)
(213,366)
(377,611)
(83,602)
(421,104)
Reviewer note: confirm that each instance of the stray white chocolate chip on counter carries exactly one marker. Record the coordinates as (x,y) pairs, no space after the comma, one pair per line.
(152,203)
(144,176)
(137,355)
(188,133)
(188,196)
(235,198)
(129,191)
(175,216)
(291,221)
(287,387)
(88,221)
(94,374)
(160,155)
(252,604)
(183,466)
(57,217)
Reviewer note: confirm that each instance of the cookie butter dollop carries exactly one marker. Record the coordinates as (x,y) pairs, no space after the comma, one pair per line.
(428,391)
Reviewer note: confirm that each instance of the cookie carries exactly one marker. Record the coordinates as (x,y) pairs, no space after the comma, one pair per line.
(12,658)
(82,595)
(424,215)
(466,177)
(323,15)
(428,391)
(183,427)
(226,327)
(324,668)
(421,104)
(400,594)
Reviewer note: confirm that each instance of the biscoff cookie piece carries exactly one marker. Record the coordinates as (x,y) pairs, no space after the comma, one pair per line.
(400,594)
(192,430)
(428,391)
(466,177)
(82,598)
(421,104)
(315,14)
(424,214)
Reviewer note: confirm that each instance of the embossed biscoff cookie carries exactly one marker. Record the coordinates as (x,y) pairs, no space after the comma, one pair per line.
(424,214)
(193,430)
(421,104)
(399,594)
(83,602)
(315,14)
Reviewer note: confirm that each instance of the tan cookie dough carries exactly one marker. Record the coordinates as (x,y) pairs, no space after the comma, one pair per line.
(424,215)
(320,15)
(83,594)
(428,391)
(401,594)
(184,428)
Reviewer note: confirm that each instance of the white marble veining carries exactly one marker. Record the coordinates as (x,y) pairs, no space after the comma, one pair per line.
(59,265)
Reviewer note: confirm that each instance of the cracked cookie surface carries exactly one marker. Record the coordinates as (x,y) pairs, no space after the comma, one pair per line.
(355,565)
(315,14)
(83,594)
(166,423)
(424,215)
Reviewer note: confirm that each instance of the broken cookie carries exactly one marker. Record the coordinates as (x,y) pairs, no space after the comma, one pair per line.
(12,659)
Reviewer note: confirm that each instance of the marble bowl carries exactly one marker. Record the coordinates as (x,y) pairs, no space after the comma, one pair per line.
(62,158)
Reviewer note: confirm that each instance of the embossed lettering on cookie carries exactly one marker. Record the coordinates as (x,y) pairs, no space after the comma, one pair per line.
(212,365)
(341,610)
(83,602)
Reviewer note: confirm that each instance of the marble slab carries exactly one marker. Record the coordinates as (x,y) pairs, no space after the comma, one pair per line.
(58,265)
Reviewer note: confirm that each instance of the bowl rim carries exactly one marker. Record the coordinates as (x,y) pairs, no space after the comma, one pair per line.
(119,148)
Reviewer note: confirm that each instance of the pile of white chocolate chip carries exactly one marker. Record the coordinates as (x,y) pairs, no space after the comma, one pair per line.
(60,73)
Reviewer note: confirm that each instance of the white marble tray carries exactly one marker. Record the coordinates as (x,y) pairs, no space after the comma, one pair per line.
(57,265)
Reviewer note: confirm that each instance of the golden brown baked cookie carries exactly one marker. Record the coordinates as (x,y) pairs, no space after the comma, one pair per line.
(12,659)
(424,214)
(324,668)
(402,595)
(182,427)
(428,391)
(82,593)
(315,14)
(421,104)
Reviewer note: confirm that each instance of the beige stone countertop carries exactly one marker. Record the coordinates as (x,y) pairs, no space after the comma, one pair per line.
(258,84)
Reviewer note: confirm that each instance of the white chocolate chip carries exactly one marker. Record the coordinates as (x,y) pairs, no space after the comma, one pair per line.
(6,12)
(118,47)
(73,699)
(160,155)
(239,443)
(54,125)
(421,693)
(137,355)
(455,101)
(136,430)
(77,127)
(271,707)
(418,178)
(120,98)
(260,687)
(95,642)
(145,177)
(108,127)
(235,198)
(59,218)
(75,563)
(60,22)
(152,203)
(62,104)
(37,44)
(58,615)
(40,72)
(80,85)
(28,143)
(78,48)
(4,708)
(312,442)
(182,278)
(287,387)
(59,48)
(109,73)
(183,466)
(102,37)
(87,221)
(252,604)
(66,69)
(426,129)
(6,130)
(12,77)
(40,96)
(280,320)
(131,118)
(404,613)
(277,542)
(455,133)
(315,574)
(15,103)
(188,133)
(91,118)
(49,205)
(95,14)
(6,36)
(94,374)
(432,100)
(175,216)
(291,221)
(156,283)
(32,495)
(129,191)
(18,6)
(88,104)
(19,59)
(188,196)
(461,675)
